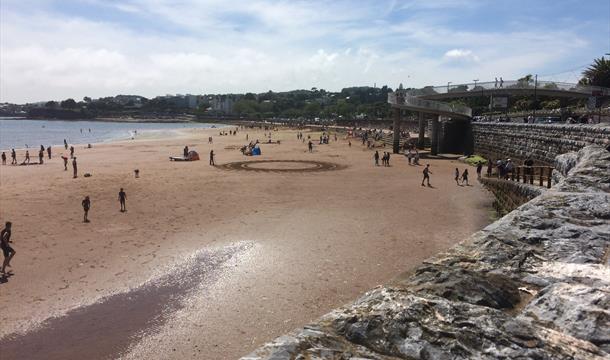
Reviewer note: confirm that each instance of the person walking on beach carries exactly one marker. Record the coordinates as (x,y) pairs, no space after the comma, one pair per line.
(310,146)
(71,152)
(75,168)
(122,197)
(41,157)
(427,173)
(186,152)
(457,176)
(479,169)
(86,206)
(7,250)
(49,152)
(13,157)
(212,158)
(349,143)
(65,144)
(27,157)
(465,177)
(376,156)
(3,158)
(65,162)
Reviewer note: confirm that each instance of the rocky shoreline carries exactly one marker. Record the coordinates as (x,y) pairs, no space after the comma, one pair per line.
(534,284)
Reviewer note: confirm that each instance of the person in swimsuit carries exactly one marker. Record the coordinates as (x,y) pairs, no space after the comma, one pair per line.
(3,158)
(86,206)
(122,197)
(27,157)
(7,250)
(49,152)
(13,157)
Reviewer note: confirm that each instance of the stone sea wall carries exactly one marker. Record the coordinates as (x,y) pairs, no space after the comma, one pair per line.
(534,284)
(543,142)
(510,194)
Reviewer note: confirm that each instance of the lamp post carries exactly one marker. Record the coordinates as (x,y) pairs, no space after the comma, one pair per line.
(475,82)
(448,83)
(535,96)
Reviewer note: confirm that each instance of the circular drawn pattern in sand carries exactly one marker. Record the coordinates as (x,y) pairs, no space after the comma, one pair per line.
(282,166)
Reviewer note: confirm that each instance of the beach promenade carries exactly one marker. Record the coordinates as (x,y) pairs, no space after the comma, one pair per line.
(211,261)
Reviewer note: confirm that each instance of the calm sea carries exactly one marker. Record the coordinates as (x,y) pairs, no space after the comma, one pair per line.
(22,133)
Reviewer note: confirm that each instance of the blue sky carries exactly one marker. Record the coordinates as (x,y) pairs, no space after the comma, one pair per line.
(55,49)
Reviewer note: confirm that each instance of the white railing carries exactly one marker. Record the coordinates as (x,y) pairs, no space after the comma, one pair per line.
(416,103)
(511,84)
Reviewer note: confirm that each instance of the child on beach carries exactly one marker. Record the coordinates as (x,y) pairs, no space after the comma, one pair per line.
(465,177)
(427,173)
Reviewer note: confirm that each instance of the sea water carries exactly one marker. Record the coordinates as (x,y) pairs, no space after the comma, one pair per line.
(26,133)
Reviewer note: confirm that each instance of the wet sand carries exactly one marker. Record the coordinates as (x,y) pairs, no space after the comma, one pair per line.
(209,262)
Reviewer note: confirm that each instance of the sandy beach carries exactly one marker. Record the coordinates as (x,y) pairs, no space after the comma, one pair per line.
(211,261)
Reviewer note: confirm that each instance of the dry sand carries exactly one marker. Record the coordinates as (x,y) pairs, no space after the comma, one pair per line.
(218,261)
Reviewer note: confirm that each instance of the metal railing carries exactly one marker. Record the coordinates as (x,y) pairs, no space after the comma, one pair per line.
(415,103)
(511,84)
(534,175)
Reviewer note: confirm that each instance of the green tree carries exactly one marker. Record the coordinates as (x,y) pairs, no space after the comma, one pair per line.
(51,104)
(68,104)
(597,74)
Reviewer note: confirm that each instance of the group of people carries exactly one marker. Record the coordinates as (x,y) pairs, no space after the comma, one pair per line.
(385,159)
(26,160)
(86,203)
(463,178)
(41,154)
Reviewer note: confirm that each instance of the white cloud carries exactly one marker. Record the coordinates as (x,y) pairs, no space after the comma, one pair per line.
(461,55)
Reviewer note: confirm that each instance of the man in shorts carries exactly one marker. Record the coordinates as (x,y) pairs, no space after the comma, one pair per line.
(7,250)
